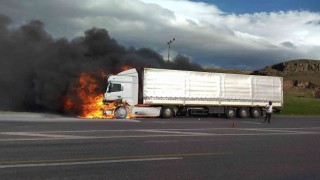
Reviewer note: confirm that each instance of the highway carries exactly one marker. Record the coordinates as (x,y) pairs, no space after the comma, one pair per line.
(43,146)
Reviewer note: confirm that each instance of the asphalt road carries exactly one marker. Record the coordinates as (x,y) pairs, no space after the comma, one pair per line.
(35,146)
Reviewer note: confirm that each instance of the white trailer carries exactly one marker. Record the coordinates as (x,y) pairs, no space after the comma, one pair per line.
(169,93)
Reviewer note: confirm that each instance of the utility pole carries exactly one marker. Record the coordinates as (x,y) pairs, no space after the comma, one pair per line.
(169,47)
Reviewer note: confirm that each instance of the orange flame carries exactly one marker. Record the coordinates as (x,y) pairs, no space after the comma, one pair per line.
(124,68)
(91,101)
(86,99)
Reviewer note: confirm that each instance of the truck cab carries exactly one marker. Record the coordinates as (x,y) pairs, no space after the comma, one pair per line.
(123,89)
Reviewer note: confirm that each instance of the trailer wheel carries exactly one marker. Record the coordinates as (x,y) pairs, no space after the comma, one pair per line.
(231,113)
(166,112)
(255,112)
(121,113)
(243,112)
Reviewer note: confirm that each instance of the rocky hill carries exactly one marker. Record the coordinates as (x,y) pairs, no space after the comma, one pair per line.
(303,74)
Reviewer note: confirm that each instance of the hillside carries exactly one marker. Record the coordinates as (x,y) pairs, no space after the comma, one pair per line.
(299,75)
(231,71)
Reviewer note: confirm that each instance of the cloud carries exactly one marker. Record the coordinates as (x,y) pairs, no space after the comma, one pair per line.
(288,44)
(202,31)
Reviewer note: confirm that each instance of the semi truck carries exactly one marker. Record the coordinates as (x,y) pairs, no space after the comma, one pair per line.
(168,93)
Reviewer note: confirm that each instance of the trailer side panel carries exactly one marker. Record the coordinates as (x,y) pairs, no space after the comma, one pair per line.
(210,89)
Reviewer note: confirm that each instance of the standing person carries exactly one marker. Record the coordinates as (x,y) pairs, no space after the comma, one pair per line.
(268,112)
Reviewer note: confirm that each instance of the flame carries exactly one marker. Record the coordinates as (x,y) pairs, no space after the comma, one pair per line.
(124,68)
(85,98)
(92,107)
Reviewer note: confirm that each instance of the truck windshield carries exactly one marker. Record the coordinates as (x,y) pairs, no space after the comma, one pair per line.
(114,87)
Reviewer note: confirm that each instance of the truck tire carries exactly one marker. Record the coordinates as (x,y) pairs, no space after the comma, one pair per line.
(243,113)
(166,112)
(231,113)
(121,112)
(256,112)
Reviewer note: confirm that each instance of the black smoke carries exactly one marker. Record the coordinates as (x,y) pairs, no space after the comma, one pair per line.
(37,71)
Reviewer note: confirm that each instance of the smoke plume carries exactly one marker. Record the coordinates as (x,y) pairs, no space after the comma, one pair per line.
(37,72)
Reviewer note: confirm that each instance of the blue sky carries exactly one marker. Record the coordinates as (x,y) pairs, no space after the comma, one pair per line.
(254,6)
(241,34)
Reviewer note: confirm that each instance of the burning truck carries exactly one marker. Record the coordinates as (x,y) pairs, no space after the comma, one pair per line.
(168,93)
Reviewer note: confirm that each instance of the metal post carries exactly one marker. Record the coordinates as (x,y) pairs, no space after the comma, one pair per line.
(169,47)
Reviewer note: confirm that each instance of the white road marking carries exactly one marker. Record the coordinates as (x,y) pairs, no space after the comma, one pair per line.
(153,136)
(131,130)
(42,136)
(250,122)
(271,130)
(169,141)
(174,132)
(87,162)
(298,128)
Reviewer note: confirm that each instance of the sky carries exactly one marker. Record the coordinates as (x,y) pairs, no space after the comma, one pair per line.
(240,34)
(253,6)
